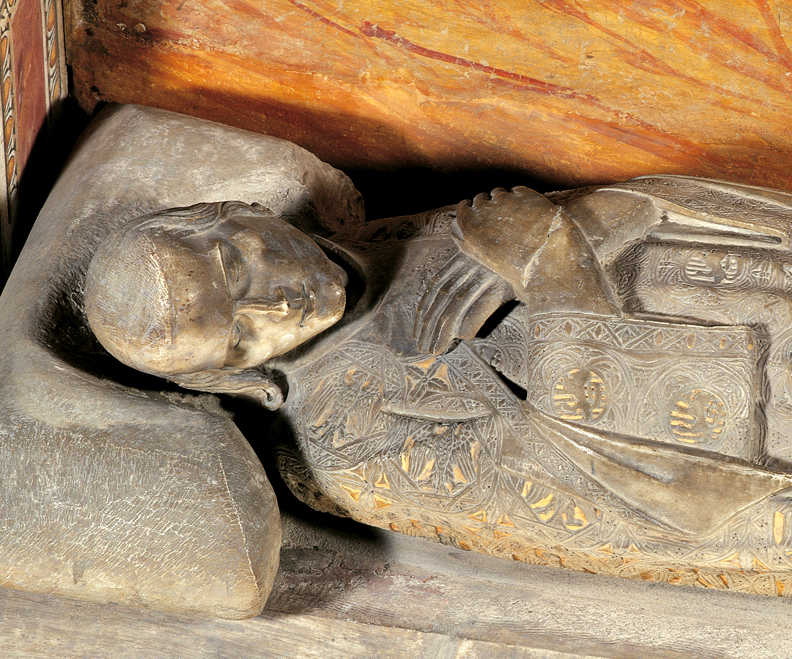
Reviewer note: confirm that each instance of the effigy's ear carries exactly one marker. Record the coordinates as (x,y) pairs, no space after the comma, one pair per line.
(246,383)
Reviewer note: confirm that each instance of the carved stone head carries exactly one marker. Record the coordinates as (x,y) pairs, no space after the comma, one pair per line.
(200,295)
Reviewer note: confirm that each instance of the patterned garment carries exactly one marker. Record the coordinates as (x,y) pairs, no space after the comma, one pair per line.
(448,447)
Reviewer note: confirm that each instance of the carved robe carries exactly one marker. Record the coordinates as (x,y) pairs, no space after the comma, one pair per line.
(583,472)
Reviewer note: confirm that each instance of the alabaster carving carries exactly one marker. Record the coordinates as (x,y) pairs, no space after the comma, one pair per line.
(112,489)
(597,379)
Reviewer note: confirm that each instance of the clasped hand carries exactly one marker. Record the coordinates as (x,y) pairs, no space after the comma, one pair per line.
(458,301)
(497,236)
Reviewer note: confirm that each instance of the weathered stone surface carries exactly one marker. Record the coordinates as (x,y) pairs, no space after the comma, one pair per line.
(110,493)
(351,592)
(628,414)
(596,379)
(573,93)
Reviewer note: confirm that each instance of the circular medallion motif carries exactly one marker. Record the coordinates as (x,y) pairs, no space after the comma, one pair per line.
(579,395)
(697,416)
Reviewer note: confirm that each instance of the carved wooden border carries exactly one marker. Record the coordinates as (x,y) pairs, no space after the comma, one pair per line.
(56,64)
(9,196)
(52,42)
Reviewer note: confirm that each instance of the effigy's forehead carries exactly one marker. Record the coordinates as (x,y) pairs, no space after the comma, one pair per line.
(196,219)
(127,299)
(144,282)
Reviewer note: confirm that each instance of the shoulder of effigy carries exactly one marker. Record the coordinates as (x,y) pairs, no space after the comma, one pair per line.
(400,228)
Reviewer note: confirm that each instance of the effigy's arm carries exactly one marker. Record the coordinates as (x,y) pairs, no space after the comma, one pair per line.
(512,245)
(506,230)
(533,245)
(680,210)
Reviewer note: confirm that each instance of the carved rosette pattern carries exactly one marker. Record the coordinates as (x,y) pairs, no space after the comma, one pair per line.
(678,384)
(706,282)
(417,447)
(724,286)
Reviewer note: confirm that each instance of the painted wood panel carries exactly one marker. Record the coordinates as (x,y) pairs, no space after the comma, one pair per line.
(33,84)
(571,91)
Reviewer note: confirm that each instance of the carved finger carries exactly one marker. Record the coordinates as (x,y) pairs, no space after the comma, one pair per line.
(450,271)
(440,306)
(493,298)
(443,323)
(480,199)
(463,211)
(449,325)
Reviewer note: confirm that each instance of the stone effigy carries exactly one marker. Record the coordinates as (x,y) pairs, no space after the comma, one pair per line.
(114,490)
(597,379)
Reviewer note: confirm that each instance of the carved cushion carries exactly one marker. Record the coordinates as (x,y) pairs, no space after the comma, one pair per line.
(110,491)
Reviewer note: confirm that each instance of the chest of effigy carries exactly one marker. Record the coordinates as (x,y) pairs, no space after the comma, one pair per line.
(680,384)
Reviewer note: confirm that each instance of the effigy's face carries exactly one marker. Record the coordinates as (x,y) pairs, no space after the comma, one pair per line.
(248,290)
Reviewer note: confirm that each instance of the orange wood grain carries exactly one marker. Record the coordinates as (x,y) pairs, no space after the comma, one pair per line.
(570,91)
(29,77)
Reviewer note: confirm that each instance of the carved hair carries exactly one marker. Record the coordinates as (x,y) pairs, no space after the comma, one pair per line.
(134,320)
